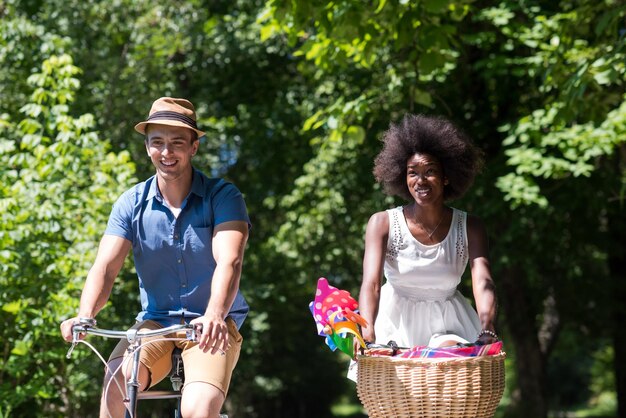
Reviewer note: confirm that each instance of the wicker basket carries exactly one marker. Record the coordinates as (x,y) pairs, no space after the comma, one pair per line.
(430,387)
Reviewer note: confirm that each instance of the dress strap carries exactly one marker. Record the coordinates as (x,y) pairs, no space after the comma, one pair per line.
(395,232)
(460,224)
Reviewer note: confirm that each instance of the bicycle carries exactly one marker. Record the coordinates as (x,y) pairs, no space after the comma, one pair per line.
(134,337)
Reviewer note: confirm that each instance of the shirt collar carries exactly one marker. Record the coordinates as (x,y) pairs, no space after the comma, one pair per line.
(197,183)
(197,186)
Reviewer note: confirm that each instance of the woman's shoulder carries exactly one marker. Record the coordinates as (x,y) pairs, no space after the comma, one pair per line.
(384,215)
(378,217)
(379,221)
(475,225)
(473,220)
(470,218)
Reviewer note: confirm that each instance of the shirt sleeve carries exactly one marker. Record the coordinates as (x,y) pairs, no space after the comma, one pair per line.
(229,205)
(120,219)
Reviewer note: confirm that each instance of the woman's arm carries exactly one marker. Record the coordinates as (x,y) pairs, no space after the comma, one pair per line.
(376,236)
(483,286)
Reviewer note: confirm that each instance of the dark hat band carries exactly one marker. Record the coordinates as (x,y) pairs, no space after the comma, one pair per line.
(165,114)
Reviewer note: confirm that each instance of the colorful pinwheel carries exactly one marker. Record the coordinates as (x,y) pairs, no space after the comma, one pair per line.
(335,315)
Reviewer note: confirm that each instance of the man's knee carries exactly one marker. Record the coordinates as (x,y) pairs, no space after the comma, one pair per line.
(122,370)
(201,400)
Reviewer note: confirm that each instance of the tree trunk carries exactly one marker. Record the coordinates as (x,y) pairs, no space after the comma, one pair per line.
(617,268)
(530,362)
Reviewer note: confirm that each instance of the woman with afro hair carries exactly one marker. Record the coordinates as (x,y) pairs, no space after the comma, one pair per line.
(424,246)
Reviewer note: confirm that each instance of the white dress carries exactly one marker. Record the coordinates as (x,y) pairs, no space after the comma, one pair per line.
(420,297)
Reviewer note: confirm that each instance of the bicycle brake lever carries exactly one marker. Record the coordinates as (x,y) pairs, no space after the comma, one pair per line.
(192,333)
(75,340)
(69,352)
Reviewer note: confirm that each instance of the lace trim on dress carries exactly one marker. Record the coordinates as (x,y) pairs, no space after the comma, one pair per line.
(461,244)
(395,237)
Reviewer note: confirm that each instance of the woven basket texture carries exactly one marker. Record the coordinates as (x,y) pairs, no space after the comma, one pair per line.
(470,387)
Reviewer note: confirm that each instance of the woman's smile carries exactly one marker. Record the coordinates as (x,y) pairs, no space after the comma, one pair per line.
(424,177)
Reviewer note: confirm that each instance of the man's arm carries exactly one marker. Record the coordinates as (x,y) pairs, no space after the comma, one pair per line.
(229,242)
(112,252)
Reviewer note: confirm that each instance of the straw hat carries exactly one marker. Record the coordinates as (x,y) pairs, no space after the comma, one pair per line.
(173,112)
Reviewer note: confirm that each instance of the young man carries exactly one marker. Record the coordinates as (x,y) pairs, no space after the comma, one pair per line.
(188,233)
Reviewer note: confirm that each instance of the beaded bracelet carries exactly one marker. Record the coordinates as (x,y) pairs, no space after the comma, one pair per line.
(488,332)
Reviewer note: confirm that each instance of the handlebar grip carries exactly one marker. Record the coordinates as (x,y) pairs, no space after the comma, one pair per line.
(87,322)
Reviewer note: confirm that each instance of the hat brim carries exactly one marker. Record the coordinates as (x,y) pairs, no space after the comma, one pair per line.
(141,126)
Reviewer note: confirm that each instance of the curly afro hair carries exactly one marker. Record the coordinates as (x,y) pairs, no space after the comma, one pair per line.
(461,160)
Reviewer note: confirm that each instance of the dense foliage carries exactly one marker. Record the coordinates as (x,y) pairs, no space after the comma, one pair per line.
(294,96)
(58,180)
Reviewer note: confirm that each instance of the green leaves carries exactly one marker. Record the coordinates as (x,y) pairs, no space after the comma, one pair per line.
(579,113)
(294,96)
(54,190)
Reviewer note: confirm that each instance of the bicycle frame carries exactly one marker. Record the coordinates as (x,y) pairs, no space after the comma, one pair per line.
(134,337)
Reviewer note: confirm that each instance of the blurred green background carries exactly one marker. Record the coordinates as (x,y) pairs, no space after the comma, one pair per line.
(294,96)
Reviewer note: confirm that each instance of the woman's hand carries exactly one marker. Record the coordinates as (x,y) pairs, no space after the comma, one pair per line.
(487,337)
(356,348)
(368,337)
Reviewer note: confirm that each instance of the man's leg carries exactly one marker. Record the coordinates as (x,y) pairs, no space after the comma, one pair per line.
(201,400)
(154,364)
(207,376)
(111,402)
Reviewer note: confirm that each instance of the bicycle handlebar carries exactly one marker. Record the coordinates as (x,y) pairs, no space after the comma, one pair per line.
(132,335)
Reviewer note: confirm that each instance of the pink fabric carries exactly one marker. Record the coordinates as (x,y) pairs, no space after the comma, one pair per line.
(441,352)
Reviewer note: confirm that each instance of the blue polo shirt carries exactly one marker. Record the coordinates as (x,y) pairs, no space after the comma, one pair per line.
(173,256)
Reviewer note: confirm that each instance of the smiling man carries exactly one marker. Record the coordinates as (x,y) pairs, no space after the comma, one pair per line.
(188,233)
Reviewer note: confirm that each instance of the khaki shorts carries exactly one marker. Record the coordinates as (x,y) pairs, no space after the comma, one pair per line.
(215,369)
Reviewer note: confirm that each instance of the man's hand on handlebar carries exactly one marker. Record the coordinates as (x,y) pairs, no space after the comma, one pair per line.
(67,327)
(213,333)
(67,331)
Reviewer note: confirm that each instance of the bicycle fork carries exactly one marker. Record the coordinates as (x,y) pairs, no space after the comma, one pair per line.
(132,386)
